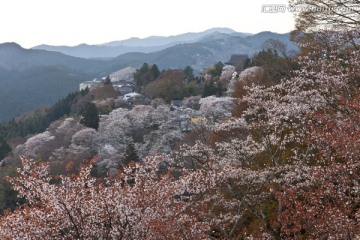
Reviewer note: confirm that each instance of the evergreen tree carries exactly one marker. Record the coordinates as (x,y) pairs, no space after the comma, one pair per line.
(4,149)
(145,75)
(130,155)
(90,116)
(276,67)
(189,73)
(139,75)
(144,68)
(107,81)
(154,72)
(210,89)
(216,70)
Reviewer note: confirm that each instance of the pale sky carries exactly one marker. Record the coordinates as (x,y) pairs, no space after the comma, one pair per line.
(72,22)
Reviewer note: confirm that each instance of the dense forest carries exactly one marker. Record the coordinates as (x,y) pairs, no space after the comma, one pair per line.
(266,151)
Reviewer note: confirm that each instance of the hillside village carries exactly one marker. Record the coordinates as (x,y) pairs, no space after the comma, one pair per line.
(123,82)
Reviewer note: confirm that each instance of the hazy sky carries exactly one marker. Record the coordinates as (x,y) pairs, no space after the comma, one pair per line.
(71,22)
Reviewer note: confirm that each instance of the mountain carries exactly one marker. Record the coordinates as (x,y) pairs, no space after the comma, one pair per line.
(14,57)
(195,49)
(33,77)
(29,78)
(204,53)
(160,40)
(144,45)
(98,51)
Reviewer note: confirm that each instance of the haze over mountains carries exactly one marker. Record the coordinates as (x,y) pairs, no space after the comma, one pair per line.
(44,74)
(145,45)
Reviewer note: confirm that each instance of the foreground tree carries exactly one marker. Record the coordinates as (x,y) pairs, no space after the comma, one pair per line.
(137,204)
(318,20)
(296,144)
(327,206)
(313,15)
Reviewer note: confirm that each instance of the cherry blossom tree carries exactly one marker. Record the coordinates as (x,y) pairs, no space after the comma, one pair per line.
(152,130)
(272,146)
(216,107)
(138,203)
(313,15)
(327,206)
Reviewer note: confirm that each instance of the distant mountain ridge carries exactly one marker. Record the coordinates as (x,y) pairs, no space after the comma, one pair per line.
(144,45)
(161,40)
(193,49)
(14,57)
(205,52)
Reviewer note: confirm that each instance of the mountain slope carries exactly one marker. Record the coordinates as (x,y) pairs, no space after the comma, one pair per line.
(29,78)
(14,57)
(95,51)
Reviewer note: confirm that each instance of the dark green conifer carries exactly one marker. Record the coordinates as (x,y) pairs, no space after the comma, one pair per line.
(90,116)
(130,155)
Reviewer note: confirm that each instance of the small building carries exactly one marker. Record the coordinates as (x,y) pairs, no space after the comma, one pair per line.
(89,84)
(175,104)
(239,61)
(132,95)
(136,98)
(124,89)
(122,82)
(187,118)
(184,123)
(197,118)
